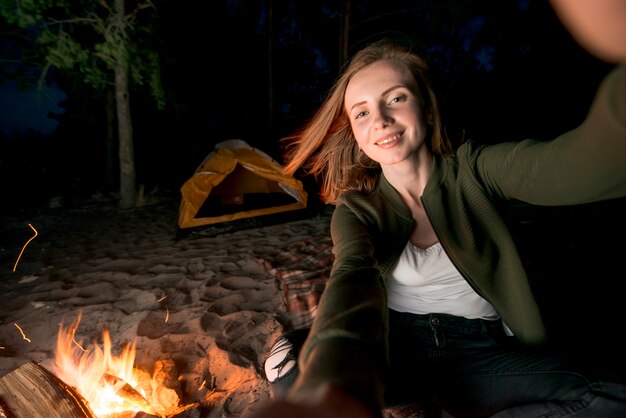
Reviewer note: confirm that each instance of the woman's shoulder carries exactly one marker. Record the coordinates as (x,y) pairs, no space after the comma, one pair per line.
(466,154)
(472,153)
(354,208)
(357,200)
(369,206)
(382,193)
(469,149)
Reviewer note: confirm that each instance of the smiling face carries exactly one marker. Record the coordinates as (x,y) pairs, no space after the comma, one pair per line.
(386,113)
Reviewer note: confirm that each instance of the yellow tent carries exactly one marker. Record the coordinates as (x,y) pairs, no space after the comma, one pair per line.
(237,181)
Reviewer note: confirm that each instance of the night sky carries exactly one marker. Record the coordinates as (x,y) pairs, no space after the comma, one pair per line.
(21,111)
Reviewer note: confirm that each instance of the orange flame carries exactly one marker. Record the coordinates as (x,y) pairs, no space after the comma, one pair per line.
(109,383)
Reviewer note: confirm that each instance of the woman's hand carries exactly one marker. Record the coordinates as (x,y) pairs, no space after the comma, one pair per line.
(325,402)
(597,25)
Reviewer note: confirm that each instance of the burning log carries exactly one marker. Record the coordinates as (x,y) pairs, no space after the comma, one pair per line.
(32,391)
(127,392)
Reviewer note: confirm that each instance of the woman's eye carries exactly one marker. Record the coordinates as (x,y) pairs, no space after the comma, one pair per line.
(397,99)
(360,115)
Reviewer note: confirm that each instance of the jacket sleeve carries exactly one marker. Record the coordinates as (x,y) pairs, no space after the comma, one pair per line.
(584,165)
(347,345)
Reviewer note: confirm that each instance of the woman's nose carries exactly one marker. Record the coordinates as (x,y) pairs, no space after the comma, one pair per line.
(383,119)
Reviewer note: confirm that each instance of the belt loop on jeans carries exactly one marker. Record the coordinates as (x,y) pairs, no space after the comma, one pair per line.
(484,331)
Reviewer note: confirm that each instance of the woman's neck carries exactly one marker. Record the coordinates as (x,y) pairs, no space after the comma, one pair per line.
(409,178)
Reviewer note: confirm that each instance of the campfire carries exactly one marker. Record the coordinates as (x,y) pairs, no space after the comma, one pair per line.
(97,382)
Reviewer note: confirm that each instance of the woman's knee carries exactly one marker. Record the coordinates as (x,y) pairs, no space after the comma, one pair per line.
(281,365)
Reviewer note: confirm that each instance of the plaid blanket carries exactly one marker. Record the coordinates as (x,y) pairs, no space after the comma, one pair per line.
(301,271)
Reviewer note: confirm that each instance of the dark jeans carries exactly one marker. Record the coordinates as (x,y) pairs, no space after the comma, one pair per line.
(470,368)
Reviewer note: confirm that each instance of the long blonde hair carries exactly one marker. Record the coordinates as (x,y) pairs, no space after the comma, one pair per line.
(326,147)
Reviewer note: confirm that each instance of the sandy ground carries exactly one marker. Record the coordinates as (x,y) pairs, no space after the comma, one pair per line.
(207,303)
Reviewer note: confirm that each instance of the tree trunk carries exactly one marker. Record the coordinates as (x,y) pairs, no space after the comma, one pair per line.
(270,69)
(128,189)
(344,32)
(109,168)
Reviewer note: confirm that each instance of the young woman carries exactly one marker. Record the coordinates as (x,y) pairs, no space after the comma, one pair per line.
(428,301)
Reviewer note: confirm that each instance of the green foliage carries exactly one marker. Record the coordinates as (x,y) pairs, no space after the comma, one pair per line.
(63,51)
(149,61)
(24,14)
(87,37)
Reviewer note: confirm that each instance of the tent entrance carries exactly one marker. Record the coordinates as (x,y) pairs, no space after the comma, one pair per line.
(243,190)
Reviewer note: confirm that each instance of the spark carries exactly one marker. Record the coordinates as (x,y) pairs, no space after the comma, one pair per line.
(167,314)
(23,335)
(162,299)
(27,242)
(202,385)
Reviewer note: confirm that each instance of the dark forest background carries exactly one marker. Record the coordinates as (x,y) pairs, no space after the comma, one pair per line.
(257,70)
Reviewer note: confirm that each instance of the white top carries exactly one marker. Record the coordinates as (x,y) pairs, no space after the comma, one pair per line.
(425,281)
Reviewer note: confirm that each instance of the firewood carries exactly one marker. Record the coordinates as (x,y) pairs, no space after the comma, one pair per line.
(127,392)
(33,391)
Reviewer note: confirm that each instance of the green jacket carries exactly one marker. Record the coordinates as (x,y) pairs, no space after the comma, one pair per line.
(347,346)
